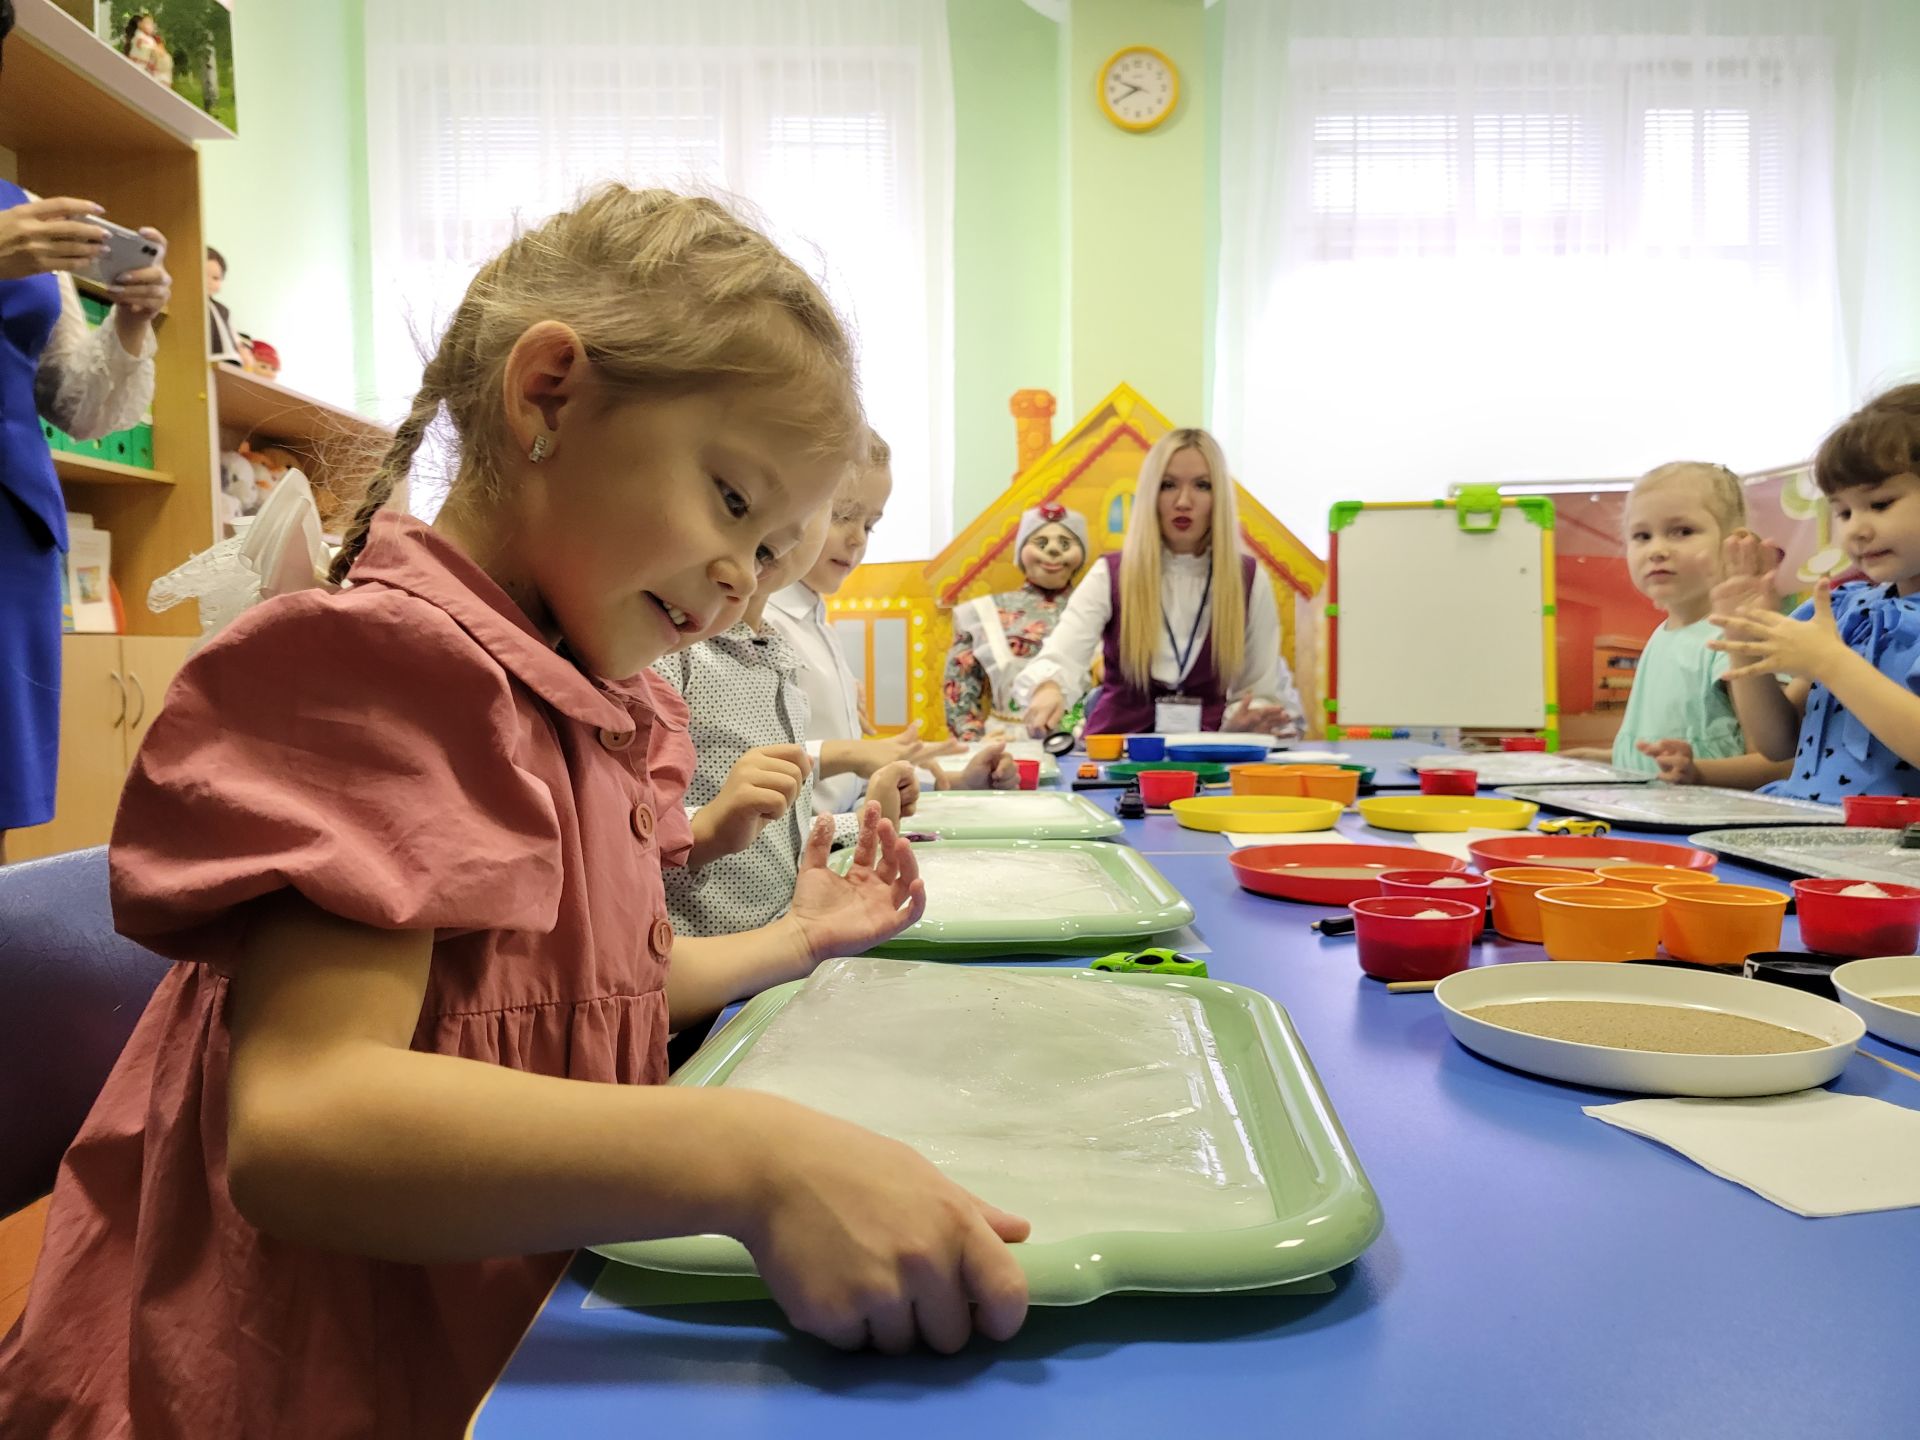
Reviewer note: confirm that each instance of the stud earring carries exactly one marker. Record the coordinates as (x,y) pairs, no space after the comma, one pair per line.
(539,450)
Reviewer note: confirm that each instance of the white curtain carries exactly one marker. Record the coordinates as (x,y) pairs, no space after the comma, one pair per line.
(1532,239)
(833,119)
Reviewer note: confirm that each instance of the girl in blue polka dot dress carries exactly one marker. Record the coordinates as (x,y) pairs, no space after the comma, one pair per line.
(1849,715)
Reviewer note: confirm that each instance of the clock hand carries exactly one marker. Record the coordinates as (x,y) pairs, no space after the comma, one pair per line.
(1131,90)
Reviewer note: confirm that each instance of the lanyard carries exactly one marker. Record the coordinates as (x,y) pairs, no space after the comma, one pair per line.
(1184,658)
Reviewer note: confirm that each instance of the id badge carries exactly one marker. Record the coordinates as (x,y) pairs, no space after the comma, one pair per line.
(1176,715)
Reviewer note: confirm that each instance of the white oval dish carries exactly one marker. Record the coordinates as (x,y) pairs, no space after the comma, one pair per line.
(1642,1071)
(1860,983)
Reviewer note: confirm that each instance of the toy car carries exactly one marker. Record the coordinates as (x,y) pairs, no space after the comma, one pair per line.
(1158,961)
(1089,772)
(1573,827)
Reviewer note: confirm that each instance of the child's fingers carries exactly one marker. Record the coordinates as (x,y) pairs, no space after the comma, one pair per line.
(942,1316)
(819,844)
(994,1281)
(890,1325)
(915,905)
(868,842)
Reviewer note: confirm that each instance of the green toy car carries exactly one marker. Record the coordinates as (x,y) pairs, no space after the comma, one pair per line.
(1158,961)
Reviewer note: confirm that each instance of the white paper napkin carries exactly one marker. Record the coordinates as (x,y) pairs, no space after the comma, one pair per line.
(1312,837)
(1814,1152)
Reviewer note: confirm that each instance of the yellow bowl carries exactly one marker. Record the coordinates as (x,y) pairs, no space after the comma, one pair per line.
(1259,814)
(1447,812)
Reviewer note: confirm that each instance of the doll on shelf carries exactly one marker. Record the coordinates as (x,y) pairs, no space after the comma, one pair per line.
(995,635)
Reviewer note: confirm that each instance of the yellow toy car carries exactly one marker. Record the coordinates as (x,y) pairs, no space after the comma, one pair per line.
(1573,827)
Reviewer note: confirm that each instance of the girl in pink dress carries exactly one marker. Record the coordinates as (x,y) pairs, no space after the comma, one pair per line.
(404,841)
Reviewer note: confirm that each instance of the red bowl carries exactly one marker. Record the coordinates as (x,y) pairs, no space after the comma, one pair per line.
(1857,925)
(1582,852)
(1393,945)
(1426,882)
(1328,874)
(1449,782)
(1515,744)
(1882,812)
(1160,788)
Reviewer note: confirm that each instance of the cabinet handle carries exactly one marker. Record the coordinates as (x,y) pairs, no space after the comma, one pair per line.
(121,686)
(139,691)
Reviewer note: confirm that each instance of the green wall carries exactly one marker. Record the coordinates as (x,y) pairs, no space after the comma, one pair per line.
(286,202)
(1008,211)
(1138,222)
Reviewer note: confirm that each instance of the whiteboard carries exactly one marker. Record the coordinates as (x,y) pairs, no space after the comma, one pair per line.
(1441,626)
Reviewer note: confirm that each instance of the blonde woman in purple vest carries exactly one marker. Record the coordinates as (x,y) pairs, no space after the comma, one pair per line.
(1187,624)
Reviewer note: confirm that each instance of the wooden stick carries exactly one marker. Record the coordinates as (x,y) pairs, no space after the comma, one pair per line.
(1413,987)
(1910,1074)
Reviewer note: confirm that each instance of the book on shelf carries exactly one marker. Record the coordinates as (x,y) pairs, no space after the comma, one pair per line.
(89,581)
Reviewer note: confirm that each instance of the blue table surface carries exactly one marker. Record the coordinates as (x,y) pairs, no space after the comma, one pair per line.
(1540,1274)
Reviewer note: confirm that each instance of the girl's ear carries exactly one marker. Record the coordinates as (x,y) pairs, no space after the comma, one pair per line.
(545,376)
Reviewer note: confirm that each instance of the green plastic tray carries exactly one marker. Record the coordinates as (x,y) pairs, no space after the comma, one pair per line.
(1010,815)
(1326,1212)
(1208,773)
(1124,901)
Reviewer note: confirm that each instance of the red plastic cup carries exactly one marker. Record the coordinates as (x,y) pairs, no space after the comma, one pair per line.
(1882,812)
(1395,945)
(1160,788)
(1857,925)
(1429,883)
(1515,743)
(1449,782)
(1029,773)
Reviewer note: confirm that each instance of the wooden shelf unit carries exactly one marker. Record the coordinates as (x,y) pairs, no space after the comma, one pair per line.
(85,470)
(80,119)
(324,438)
(76,118)
(1606,649)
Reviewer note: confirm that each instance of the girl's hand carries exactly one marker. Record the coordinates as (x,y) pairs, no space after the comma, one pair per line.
(1274,720)
(864,1243)
(895,789)
(1675,759)
(47,235)
(1045,709)
(1772,644)
(1747,566)
(880,895)
(867,756)
(760,788)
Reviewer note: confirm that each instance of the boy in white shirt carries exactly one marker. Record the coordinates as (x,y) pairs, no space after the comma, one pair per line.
(799,612)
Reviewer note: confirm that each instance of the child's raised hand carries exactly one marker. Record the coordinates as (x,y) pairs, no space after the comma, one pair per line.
(880,895)
(1767,643)
(1747,566)
(895,789)
(864,1243)
(760,788)
(1675,759)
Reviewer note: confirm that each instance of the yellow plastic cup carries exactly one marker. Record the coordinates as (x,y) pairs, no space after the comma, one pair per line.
(1516,914)
(1720,924)
(1105,747)
(1598,922)
(1311,782)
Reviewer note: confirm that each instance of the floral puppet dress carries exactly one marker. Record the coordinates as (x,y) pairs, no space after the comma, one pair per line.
(994,636)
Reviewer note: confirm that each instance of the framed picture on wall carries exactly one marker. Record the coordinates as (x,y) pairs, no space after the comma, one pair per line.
(186,45)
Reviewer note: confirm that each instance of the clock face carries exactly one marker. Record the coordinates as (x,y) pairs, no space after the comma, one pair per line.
(1139,87)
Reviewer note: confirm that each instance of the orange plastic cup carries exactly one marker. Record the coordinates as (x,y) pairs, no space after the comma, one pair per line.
(1720,924)
(1105,747)
(1648,878)
(1516,915)
(1312,782)
(1597,922)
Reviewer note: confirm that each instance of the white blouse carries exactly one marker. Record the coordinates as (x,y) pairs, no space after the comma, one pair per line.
(87,383)
(827,681)
(1067,657)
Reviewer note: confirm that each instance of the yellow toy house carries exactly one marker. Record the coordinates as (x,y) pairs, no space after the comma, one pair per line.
(895,619)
